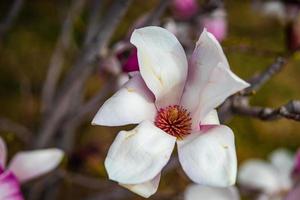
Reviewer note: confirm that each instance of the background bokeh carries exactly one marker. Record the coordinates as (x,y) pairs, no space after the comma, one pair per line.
(253,42)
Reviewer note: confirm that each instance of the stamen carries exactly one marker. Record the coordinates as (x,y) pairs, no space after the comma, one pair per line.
(174,120)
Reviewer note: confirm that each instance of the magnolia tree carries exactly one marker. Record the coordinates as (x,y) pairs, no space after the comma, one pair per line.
(172,85)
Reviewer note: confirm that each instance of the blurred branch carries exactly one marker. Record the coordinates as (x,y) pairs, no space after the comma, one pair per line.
(57,59)
(80,72)
(94,18)
(19,130)
(69,128)
(9,20)
(157,12)
(259,80)
(291,110)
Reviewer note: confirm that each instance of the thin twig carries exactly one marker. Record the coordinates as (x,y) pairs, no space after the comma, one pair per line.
(11,17)
(57,59)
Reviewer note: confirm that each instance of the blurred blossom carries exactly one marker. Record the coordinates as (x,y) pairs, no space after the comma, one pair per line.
(199,192)
(131,63)
(172,106)
(274,8)
(185,9)
(216,23)
(23,167)
(181,30)
(293,34)
(272,178)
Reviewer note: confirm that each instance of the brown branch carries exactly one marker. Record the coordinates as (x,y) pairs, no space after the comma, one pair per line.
(81,71)
(259,80)
(19,130)
(57,59)
(11,17)
(290,110)
(237,101)
(94,20)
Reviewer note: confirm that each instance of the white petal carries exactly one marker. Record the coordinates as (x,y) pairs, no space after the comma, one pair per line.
(211,118)
(258,174)
(208,157)
(30,164)
(199,192)
(162,62)
(283,160)
(9,187)
(138,155)
(210,80)
(130,105)
(144,189)
(3,153)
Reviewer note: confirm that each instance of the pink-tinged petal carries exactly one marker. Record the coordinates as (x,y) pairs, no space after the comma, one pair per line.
(9,187)
(162,62)
(30,164)
(208,157)
(210,80)
(268,181)
(144,189)
(132,104)
(297,163)
(200,192)
(137,156)
(3,153)
(294,194)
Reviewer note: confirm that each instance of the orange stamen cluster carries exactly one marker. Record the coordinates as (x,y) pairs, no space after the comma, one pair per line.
(174,120)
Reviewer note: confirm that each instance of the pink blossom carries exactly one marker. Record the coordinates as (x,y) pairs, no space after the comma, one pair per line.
(216,23)
(23,167)
(185,9)
(171,100)
(131,63)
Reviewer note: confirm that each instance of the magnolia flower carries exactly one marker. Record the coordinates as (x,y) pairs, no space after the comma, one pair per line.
(173,102)
(199,192)
(23,167)
(185,9)
(216,23)
(271,178)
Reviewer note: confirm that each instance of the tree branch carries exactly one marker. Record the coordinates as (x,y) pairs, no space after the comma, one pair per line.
(9,20)
(57,59)
(81,71)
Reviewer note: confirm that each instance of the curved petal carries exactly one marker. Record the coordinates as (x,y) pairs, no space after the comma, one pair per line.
(3,153)
(208,157)
(195,192)
(30,164)
(268,181)
(9,187)
(210,80)
(144,189)
(283,160)
(163,63)
(132,104)
(138,155)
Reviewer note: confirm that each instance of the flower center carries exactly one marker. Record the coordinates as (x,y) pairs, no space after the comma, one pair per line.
(174,120)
